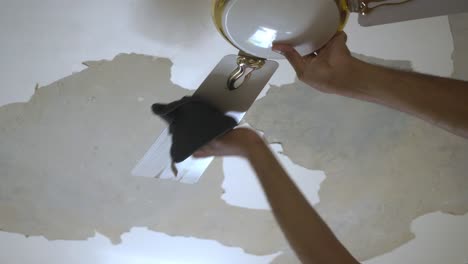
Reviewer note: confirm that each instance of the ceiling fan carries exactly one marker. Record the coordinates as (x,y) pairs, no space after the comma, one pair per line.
(253,26)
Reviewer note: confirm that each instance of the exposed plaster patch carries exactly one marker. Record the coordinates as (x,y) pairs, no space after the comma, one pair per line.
(395,64)
(384,168)
(440,238)
(242,188)
(459,26)
(67,154)
(427,43)
(94,63)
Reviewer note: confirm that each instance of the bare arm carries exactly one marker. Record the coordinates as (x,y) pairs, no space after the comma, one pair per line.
(441,101)
(306,232)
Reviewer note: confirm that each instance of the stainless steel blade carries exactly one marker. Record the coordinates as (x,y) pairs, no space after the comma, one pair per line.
(157,162)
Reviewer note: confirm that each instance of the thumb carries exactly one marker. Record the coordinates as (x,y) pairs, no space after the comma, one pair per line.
(201,153)
(342,36)
(159,109)
(292,55)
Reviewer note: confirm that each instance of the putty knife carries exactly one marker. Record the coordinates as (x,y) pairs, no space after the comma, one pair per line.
(235,103)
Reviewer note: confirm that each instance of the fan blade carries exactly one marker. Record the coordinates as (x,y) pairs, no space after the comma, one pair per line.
(414,9)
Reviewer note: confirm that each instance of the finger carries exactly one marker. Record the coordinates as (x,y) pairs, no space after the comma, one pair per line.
(201,154)
(340,38)
(296,60)
(311,56)
(210,147)
(158,108)
(344,35)
(205,151)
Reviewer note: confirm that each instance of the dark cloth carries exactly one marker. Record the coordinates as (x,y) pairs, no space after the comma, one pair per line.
(193,123)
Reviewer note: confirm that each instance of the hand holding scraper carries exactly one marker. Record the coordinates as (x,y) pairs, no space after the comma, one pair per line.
(193,123)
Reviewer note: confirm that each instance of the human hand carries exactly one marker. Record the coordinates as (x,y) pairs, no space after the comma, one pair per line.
(328,70)
(238,142)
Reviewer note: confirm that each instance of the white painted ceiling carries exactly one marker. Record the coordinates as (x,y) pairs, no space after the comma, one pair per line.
(42,41)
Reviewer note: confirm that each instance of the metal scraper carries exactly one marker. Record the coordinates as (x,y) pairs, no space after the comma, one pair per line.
(235,103)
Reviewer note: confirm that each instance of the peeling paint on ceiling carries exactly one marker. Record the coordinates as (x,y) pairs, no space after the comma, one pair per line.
(25,191)
(138,246)
(242,188)
(384,168)
(443,238)
(459,27)
(67,156)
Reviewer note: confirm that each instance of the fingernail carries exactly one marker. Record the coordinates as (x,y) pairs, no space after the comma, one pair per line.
(278,51)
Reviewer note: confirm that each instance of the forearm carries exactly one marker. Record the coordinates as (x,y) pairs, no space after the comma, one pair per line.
(441,101)
(306,232)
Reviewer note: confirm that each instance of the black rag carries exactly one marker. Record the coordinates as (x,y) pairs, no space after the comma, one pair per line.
(193,123)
